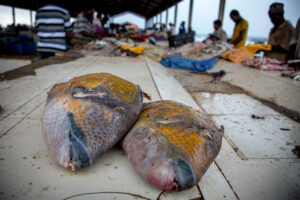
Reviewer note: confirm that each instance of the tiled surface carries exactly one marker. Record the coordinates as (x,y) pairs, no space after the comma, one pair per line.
(231,104)
(274,136)
(260,178)
(270,169)
(264,84)
(28,173)
(262,138)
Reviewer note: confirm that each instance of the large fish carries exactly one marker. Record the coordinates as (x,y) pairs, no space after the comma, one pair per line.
(172,145)
(87,115)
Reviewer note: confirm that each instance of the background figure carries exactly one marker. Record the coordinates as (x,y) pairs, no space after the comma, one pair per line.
(98,24)
(297,54)
(240,30)
(172,29)
(282,36)
(190,30)
(219,33)
(182,28)
(83,25)
(105,25)
(52,23)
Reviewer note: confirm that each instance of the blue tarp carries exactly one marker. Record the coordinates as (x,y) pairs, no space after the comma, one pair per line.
(180,62)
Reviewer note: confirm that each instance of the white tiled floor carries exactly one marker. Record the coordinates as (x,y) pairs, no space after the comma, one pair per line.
(231,104)
(262,138)
(28,173)
(264,84)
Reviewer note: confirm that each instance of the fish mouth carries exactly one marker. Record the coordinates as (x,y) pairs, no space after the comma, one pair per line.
(79,158)
(75,158)
(184,174)
(79,155)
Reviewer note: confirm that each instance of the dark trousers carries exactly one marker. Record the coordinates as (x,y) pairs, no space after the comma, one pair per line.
(44,55)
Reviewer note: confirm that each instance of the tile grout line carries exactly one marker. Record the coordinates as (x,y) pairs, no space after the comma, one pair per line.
(228,182)
(239,153)
(21,119)
(200,192)
(147,64)
(7,115)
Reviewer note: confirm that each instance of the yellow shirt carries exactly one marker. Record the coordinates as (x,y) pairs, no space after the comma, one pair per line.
(242,25)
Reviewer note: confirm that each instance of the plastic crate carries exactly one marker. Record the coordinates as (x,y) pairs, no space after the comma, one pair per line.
(28,47)
(181,39)
(16,48)
(23,38)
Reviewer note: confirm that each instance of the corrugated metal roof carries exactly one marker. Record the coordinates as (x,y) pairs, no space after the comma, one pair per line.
(145,8)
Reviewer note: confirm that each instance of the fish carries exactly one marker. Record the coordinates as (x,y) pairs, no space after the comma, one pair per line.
(172,145)
(88,115)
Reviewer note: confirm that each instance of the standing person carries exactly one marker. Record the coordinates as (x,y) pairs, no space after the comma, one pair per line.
(182,28)
(219,33)
(98,24)
(83,27)
(172,29)
(297,54)
(53,23)
(282,36)
(240,30)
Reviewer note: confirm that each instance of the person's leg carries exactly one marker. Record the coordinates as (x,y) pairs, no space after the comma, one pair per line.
(44,55)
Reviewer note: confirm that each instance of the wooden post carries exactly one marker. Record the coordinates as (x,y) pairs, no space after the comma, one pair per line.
(31,25)
(14,16)
(221,10)
(190,13)
(167,16)
(175,15)
(160,17)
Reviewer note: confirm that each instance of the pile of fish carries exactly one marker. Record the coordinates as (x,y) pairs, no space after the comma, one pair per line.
(169,144)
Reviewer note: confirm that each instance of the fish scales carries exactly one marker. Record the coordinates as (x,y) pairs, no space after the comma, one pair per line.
(87,115)
(171,145)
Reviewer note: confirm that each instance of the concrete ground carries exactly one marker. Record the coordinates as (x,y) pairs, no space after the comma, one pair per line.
(10,64)
(256,160)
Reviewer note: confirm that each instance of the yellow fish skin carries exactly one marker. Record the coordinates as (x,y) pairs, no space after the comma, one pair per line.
(172,145)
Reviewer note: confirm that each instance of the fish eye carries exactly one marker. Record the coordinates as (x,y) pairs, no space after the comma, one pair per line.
(78,90)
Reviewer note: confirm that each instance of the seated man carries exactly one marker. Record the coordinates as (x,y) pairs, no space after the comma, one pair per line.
(240,30)
(219,33)
(282,36)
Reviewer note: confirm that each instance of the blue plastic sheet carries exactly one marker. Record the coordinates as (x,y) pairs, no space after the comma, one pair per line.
(180,62)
